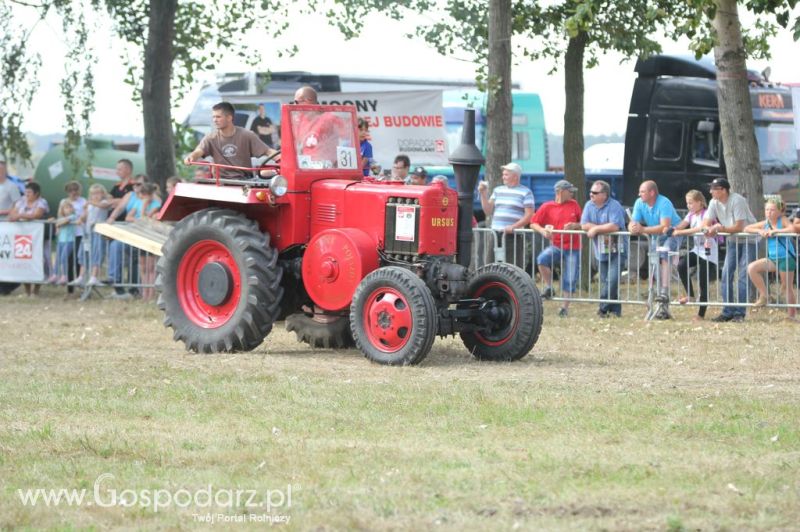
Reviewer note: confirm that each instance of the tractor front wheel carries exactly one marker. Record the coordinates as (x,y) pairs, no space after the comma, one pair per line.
(393,317)
(219,282)
(517,313)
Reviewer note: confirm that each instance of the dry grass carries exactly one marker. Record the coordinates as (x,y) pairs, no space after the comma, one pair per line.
(607,424)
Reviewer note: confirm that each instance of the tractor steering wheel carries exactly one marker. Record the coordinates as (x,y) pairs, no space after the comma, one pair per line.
(271,157)
(269,169)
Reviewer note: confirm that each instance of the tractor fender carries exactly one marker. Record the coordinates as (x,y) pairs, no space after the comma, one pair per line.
(334,263)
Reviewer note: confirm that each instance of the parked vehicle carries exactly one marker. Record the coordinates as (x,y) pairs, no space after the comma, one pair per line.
(673,134)
(55,169)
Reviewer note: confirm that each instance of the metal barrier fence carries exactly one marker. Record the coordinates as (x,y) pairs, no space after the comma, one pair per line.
(90,262)
(610,270)
(620,268)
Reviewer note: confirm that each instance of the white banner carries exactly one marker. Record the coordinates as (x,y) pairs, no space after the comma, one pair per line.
(21,256)
(409,122)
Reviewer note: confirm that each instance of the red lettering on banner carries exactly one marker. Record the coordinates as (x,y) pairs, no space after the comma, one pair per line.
(413,121)
(23,247)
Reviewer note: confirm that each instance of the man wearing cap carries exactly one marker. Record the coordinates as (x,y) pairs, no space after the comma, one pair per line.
(728,212)
(511,207)
(418,177)
(655,216)
(602,215)
(563,214)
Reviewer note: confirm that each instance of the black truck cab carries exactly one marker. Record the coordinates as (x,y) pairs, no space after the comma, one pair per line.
(673,134)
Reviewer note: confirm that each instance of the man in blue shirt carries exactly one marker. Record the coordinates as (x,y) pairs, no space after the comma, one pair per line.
(655,216)
(603,215)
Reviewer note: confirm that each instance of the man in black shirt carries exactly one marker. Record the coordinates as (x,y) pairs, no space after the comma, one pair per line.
(125,185)
(120,254)
(262,126)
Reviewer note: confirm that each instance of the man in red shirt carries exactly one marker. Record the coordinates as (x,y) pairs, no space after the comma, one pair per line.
(562,214)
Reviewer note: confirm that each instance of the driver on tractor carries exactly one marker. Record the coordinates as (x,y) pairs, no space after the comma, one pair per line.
(316,133)
(229,144)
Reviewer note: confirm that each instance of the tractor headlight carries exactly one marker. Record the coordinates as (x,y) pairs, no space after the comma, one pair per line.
(278,186)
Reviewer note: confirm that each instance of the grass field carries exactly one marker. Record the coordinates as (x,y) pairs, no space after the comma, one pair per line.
(607,424)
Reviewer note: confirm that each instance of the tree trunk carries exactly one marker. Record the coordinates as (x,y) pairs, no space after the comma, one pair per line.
(574,171)
(573,116)
(498,108)
(735,110)
(159,143)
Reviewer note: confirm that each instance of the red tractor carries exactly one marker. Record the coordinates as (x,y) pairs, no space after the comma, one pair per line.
(340,257)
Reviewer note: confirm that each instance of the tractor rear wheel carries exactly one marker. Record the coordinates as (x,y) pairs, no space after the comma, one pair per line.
(321,330)
(219,282)
(513,334)
(393,317)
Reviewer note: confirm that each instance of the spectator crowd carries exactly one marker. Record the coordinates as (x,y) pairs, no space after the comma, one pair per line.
(81,251)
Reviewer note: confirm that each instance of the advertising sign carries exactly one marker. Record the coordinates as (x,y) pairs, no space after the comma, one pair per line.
(21,255)
(409,122)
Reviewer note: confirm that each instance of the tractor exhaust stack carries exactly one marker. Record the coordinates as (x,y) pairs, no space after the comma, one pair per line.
(466,160)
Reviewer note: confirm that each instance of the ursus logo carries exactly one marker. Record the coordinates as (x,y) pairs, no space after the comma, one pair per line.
(23,247)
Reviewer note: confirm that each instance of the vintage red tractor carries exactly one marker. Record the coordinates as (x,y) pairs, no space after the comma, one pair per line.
(342,258)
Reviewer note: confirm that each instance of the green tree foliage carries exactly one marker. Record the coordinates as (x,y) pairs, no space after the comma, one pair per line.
(19,70)
(588,28)
(77,83)
(201,33)
(713,25)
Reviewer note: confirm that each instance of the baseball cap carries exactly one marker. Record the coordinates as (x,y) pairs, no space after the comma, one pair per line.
(513,167)
(563,184)
(420,172)
(720,182)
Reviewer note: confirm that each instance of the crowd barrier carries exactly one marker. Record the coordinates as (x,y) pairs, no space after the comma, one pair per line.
(33,252)
(636,270)
(645,270)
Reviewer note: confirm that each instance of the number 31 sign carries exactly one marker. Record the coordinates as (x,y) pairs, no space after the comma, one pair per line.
(346,157)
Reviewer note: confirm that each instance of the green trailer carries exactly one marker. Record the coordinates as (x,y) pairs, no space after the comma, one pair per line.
(55,170)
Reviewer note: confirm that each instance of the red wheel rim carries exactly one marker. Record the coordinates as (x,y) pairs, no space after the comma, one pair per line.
(501,293)
(196,309)
(387,320)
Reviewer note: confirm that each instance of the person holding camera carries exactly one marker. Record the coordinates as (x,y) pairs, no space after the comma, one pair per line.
(601,216)
(654,216)
(704,255)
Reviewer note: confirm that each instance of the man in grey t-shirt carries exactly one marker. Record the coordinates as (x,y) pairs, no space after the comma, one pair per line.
(728,213)
(228,144)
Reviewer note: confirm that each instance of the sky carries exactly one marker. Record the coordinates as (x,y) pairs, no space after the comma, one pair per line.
(380,50)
